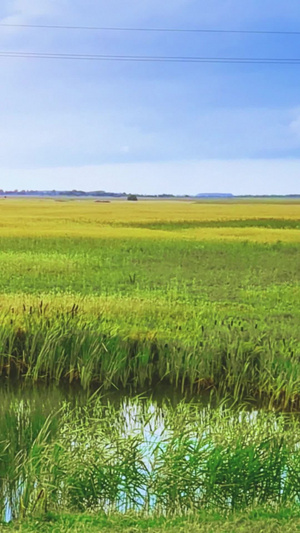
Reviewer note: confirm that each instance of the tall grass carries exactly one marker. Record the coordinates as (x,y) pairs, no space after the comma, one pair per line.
(137,312)
(161,461)
(227,356)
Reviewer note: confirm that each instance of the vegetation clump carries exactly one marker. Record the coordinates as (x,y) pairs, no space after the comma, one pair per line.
(159,461)
(132,198)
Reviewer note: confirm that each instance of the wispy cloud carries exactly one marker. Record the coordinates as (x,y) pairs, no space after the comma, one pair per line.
(26,11)
(57,114)
(98,135)
(240,176)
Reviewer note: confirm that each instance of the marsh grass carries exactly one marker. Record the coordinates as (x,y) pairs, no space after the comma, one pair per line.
(156,461)
(234,357)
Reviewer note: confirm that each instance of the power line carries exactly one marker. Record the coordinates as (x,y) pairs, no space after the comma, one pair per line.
(132,58)
(153,30)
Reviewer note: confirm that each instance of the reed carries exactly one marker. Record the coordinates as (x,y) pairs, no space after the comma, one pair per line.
(156,461)
(244,359)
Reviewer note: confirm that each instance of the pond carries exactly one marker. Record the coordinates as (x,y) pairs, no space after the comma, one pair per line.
(62,448)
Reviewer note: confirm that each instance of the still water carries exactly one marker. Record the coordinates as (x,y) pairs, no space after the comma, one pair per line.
(24,410)
(121,451)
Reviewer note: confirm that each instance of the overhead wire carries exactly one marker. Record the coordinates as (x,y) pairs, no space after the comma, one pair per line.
(143,58)
(136,58)
(143,29)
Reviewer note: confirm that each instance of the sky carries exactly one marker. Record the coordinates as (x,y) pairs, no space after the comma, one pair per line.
(150,128)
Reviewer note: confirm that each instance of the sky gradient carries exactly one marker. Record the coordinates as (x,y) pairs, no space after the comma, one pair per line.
(150,127)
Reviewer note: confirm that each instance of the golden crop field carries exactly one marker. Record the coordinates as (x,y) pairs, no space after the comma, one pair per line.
(187,220)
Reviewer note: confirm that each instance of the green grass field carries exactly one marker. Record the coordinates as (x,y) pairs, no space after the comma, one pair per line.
(200,297)
(135,311)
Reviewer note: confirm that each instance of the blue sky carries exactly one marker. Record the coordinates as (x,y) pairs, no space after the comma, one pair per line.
(143,127)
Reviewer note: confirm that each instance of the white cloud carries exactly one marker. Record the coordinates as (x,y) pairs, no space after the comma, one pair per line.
(61,136)
(24,11)
(232,132)
(27,12)
(273,176)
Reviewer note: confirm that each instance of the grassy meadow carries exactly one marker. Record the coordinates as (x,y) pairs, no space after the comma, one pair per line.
(197,297)
(194,294)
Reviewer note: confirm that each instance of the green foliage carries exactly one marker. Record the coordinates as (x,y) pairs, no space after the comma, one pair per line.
(132,198)
(286,520)
(156,461)
(235,356)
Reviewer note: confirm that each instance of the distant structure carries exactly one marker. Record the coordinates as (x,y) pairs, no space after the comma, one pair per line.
(132,198)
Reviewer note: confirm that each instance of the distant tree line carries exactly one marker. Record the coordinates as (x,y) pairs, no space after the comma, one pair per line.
(79,193)
(101,194)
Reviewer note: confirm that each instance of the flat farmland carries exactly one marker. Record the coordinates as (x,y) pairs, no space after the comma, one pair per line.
(196,295)
(192,220)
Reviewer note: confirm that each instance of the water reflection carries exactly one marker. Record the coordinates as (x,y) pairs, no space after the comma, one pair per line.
(25,409)
(148,452)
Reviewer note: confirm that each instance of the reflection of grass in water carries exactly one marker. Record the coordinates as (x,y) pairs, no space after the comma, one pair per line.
(157,460)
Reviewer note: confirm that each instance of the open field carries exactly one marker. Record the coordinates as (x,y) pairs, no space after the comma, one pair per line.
(121,294)
(202,298)
(189,220)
